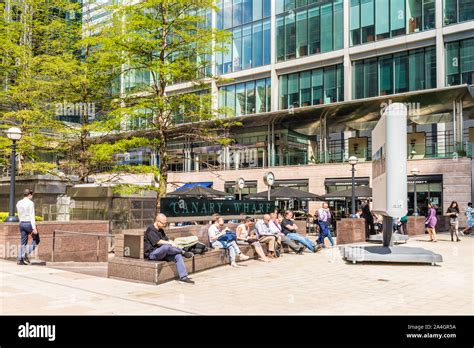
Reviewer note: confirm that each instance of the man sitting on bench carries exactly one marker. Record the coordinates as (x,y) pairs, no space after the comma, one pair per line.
(158,247)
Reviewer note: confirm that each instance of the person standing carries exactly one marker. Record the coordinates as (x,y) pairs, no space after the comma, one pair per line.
(158,247)
(369,220)
(430,222)
(324,220)
(453,213)
(403,224)
(469,219)
(26,214)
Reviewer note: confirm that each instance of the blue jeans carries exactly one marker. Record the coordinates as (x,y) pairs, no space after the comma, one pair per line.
(303,240)
(232,247)
(25,231)
(325,232)
(167,252)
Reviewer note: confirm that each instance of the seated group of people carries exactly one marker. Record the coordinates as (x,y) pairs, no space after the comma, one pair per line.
(274,230)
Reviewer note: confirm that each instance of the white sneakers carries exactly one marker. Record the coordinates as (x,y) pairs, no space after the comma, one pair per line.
(243,257)
(234,264)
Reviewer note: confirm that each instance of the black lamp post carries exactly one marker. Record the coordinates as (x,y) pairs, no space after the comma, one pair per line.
(353,161)
(415,172)
(14,134)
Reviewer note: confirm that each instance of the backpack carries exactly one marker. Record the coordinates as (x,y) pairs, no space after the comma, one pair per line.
(197,249)
(228,237)
(184,242)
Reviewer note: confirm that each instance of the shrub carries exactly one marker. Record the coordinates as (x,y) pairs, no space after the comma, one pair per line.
(3,217)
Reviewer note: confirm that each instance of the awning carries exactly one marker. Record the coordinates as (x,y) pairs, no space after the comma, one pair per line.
(194,184)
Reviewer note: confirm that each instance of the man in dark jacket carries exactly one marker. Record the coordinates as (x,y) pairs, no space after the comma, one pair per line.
(158,247)
(369,220)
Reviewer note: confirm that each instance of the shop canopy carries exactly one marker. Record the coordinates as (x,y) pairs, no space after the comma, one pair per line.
(360,192)
(285,193)
(199,192)
(194,184)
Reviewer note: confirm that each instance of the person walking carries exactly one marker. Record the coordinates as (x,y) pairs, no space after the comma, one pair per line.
(324,220)
(469,219)
(158,247)
(26,214)
(453,213)
(430,222)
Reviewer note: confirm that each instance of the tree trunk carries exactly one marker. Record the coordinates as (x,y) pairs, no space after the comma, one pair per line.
(163,180)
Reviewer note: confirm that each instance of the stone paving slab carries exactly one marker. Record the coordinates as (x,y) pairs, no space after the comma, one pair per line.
(310,284)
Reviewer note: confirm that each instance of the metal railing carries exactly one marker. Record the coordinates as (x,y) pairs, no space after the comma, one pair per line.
(97,234)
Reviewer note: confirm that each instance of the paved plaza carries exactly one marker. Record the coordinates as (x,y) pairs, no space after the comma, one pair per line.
(307,285)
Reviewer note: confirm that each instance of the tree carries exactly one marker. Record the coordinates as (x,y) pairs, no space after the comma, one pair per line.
(160,43)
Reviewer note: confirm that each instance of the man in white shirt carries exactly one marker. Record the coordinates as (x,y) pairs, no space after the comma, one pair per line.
(26,215)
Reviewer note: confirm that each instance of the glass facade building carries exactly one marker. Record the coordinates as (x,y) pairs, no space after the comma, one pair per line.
(307,27)
(460,62)
(395,73)
(456,11)
(246,98)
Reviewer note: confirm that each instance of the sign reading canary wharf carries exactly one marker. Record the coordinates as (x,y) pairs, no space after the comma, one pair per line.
(181,207)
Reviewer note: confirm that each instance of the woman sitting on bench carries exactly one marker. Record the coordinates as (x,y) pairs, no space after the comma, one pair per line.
(244,237)
(215,232)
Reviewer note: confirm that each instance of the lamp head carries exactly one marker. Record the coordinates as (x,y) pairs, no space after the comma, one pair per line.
(353,160)
(415,171)
(14,133)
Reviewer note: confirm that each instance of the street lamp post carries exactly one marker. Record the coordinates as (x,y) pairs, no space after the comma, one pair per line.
(353,161)
(415,172)
(14,134)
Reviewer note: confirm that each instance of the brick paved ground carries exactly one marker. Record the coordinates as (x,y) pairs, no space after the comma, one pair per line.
(308,284)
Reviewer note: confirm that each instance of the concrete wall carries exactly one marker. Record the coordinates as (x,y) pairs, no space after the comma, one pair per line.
(67,247)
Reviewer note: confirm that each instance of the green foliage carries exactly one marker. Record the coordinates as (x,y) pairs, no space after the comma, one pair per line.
(3,217)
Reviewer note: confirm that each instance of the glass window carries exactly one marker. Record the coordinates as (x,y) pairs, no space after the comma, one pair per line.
(467,61)
(358,80)
(257,44)
(290,4)
(290,36)
(279,6)
(452,64)
(338,24)
(367,20)
(466,10)
(237,13)
(227,14)
(266,42)
(340,82)
(401,72)
(370,78)
(250,97)
(219,15)
(355,22)
(284,92)
(267,8)
(414,18)
(330,91)
(227,60)
(314,30)
(382,16)
(317,86)
(428,14)
(450,12)
(386,75)
(397,17)
(305,88)
(326,23)
(293,95)
(230,99)
(257,10)
(417,70)
(240,99)
(268,94)
(247,10)
(301,34)
(247,47)
(237,49)
(222,99)
(430,67)
(280,44)
(260,96)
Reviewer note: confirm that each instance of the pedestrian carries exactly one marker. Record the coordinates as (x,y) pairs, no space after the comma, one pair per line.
(26,214)
(403,224)
(469,219)
(430,222)
(369,220)
(324,220)
(158,247)
(453,213)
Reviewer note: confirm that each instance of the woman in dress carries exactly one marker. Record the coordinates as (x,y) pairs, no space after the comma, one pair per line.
(244,237)
(430,222)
